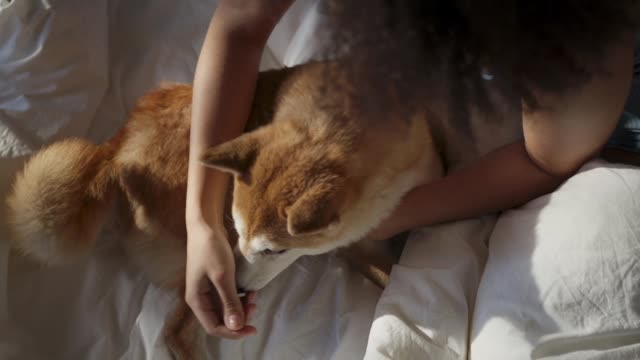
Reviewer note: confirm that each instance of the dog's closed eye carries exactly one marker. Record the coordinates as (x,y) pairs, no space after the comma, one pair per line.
(272,252)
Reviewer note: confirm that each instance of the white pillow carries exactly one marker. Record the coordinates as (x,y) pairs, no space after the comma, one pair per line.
(563,276)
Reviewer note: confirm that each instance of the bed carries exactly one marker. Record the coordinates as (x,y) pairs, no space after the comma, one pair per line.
(461,290)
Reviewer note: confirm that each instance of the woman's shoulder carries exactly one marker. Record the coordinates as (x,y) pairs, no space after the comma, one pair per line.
(572,126)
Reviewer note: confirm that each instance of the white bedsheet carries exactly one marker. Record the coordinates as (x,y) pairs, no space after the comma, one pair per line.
(75,68)
(78,68)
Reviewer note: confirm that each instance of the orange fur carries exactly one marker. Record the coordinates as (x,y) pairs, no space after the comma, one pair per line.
(58,200)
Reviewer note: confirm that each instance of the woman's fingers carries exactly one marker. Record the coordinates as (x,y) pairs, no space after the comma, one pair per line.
(199,297)
(232,309)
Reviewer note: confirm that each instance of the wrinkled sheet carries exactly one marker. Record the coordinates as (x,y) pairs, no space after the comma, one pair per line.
(75,68)
(561,281)
(425,310)
(563,276)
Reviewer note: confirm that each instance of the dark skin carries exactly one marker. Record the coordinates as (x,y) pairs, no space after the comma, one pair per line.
(556,144)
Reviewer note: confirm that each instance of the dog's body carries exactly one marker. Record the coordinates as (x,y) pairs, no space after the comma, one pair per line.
(312,180)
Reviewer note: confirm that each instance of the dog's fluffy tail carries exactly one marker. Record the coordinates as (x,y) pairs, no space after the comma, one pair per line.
(60,200)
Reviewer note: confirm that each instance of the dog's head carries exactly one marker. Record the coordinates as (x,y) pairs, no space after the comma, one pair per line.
(291,189)
(318,177)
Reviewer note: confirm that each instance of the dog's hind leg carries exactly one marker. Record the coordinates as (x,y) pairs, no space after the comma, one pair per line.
(375,259)
(181,332)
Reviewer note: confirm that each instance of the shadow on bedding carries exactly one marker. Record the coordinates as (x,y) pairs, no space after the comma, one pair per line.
(562,273)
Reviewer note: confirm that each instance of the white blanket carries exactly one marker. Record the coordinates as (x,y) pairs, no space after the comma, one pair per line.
(424,312)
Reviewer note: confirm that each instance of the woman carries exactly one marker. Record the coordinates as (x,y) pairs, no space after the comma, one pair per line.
(572,91)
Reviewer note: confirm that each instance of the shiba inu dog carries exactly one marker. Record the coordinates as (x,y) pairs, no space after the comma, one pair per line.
(308,179)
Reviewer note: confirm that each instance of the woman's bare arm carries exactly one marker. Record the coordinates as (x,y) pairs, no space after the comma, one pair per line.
(557,143)
(224,83)
(223,89)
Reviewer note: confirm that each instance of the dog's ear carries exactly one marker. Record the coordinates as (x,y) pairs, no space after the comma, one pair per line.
(316,211)
(234,156)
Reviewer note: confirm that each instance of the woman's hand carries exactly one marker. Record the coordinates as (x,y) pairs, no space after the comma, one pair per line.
(211,286)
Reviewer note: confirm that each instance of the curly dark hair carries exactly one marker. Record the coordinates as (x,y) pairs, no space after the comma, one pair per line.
(431,47)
